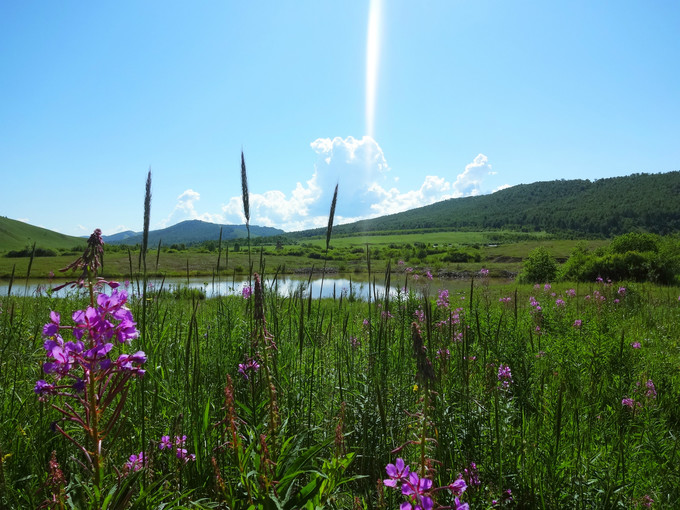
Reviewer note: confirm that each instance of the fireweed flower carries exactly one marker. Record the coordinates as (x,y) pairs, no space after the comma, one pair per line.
(460,505)
(249,367)
(42,387)
(472,475)
(178,447)
(417,488)
(629,402)
(443,299)
(246,292)
(135,463)
(651,390)
(647,501)
(94,327)
(397,472)
(165,443)
(504,375)
(457,487)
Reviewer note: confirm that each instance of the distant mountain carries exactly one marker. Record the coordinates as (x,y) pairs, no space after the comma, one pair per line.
(16,235)
(119,237)
(190,232)
(603,207)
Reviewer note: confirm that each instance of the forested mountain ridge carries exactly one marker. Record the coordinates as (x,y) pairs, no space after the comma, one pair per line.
(603,207)
(191,232)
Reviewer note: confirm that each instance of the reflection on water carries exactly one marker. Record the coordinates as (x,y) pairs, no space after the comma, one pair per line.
(286,286)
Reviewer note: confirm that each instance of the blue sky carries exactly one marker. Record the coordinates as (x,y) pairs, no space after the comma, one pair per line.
(430,100)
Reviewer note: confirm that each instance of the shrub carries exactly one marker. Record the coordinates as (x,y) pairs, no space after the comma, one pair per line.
(635,241)
(539,267)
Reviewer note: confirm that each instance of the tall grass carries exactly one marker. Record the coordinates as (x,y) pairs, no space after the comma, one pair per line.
(558,437)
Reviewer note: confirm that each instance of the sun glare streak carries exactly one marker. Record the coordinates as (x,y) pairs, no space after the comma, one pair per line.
(372,54)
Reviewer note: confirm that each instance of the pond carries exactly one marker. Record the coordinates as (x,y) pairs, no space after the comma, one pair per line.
(287,286)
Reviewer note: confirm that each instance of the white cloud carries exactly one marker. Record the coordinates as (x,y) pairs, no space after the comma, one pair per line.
(502,186)
(360,169)
(434,189)
(185,209)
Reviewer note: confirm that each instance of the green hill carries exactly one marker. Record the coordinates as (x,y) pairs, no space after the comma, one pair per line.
(604,207)
(17,235)
(192,232)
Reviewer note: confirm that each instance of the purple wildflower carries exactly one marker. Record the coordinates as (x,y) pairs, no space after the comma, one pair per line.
(577,323)
(651,390)
(647,501)
(504,375)
(165,443)
(417,488)
(461,505)
(457,487)
(629,402)
(42,387)
(249,367)
(484,272)
(246,292)
(443,299)
(397,472)
(135,463)
(636,345)
(472,475)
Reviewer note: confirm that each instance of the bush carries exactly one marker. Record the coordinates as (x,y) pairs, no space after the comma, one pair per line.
(26,252)
(539,267)
(457,256)
(635,241)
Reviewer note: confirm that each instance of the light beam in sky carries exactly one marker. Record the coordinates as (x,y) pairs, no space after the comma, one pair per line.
(372,53)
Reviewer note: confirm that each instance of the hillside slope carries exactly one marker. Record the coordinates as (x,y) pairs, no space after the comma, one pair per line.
(192,231)
(604,207)
(16,235)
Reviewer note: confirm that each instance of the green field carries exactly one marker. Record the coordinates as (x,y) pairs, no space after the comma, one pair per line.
(563,416)
(346,255)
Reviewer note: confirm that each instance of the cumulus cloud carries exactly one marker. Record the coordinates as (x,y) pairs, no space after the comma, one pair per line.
(185,209)
(434,189)
(360,168)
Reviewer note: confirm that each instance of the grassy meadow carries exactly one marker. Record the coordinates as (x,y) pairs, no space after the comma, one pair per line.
(441,252)
(536,397)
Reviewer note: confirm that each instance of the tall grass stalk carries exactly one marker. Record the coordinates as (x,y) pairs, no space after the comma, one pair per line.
(145,285)
(245,197)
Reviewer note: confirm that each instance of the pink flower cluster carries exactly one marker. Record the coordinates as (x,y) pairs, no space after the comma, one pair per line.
(178,446)
(94,329)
